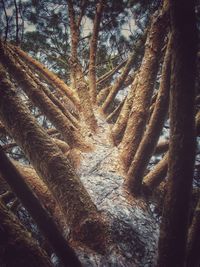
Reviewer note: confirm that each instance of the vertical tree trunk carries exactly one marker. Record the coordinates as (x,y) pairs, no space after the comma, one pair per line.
(148,71)
(17,248)
(93,50)
(153,130)
(53,167)
(174,225)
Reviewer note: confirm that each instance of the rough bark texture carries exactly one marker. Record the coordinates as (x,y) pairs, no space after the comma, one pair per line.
(174,225)
(50,75)
(52,166)
(41,217)
(38,97)
(93,51)
(153,130)
(193,243)
(17,248)
(140,110)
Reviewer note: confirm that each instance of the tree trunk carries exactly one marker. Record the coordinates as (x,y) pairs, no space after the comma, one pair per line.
(53,167)
(119,82)
(174,225)
(93,51)
(153,130)
(50,75)
(38,97)
(17,248)
(41,217)
(120,125)
(148,71)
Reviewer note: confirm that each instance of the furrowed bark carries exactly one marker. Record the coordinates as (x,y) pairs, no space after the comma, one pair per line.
(119,82)
(93,51)
(193,242)
(148,71)
(153,130)
(38,97)
(120,125)
(17,248)
(174,225)
(50,75)
(41,217)
(53,167)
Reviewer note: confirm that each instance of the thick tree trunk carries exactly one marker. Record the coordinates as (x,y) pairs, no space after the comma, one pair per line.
(93,51)
(193,243)
(153,130)
(53,167)
(174,225)
(38,97)
(17,248)
(148,71)
(41,217)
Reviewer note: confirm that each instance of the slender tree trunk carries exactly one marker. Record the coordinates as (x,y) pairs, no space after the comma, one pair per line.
(119,82)
(148,71)
(53,167)
(75,64)
(153,130)
(37,96)
(120,125)
(49,75)
(41,217)
(193,243)
(43,88)
(17,248)
(93,51)
(174,225)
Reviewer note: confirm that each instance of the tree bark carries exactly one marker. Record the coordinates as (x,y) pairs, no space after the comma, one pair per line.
(53,167)
(174,225)
(153,130)
(41,217)
(148,71)
(17,248)
(50,75)
(119,82)
(119,127)
(93,51)
(38,97)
